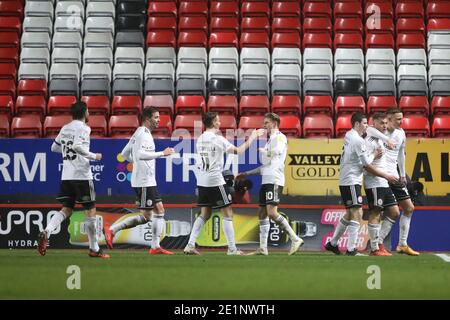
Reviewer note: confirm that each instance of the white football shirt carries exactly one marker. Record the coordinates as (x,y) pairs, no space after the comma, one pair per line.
(273,159)
(211,149)
(371,181)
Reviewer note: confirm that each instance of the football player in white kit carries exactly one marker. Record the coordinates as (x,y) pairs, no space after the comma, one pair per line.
(273,156)
(379,195)
(77,186)
(395,160)
(354,159)
(212,194)
(140,150)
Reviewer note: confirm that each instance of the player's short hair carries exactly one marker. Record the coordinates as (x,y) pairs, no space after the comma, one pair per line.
(148,113)
(78,110)
(208,119)
(273,117)
(358,117)
(379,116)
(392,111)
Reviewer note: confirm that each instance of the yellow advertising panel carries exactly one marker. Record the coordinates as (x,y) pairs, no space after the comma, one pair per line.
(312,166)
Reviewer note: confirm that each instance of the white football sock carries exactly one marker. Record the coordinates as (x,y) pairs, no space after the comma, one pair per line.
(227,226)
(92,233)
(386,227)
(157,228)
(196,229)
(404,230)
(264,227)
(55,221)
(127,223)
(353,230)
(285,225)
(374,234)
(339,231)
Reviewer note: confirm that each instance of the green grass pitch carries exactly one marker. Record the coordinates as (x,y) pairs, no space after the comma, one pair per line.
(133,274)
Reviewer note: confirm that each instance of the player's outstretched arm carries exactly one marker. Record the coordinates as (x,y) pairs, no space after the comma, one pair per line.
(371,131)
(81,146)
(150,155)
(390,178)
(126,152)
(56,147)
(241,149)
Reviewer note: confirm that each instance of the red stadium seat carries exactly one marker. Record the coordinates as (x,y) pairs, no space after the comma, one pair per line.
(60,104)
(343,124)
(223,39)
(286,40)
(290,126)
(316,40)
(316,9)
(8,88)
(410,40)
(6,106)
(9,40)
(97,105)
(348,9)
(254,39)
(317,25)
(30,105)
(348,105)
(251,122)
(190,104)
(287,105)
(12,9)
(441,126)
(255,24)
(4,126)
(161,39)
(348,40)
(8,71)
(375,40)
(28,126)
(53,124)
(416,126)
(410,25)
(11,24)
(99,126)
(224,24)
(318,126)
(126,105)
(255,9)
(162,24)
(409,10)
(380,103)
(164,103)
(164,129)
(9,55)
(223,104)
(187,24)
(383,9)
(415,104)
(162,9)
(286,9)
(440,105)
(122,126)
(32,88)
(224,9)
(188,126)
(383,25)
(348,25)
(318,104)
(438,24)
(438,9)
(228,125)
(192,39)
(193,9)
(254,105)
(284,24)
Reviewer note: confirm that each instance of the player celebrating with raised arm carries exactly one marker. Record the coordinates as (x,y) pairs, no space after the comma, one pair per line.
(140,150)
(212,194)
(273,156)
(395,158)
(77,186)
(354,159)
(379,195)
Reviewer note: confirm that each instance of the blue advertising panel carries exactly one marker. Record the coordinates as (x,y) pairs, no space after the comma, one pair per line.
(28,166)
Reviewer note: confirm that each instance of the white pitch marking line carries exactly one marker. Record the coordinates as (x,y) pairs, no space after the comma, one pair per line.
(443,256)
